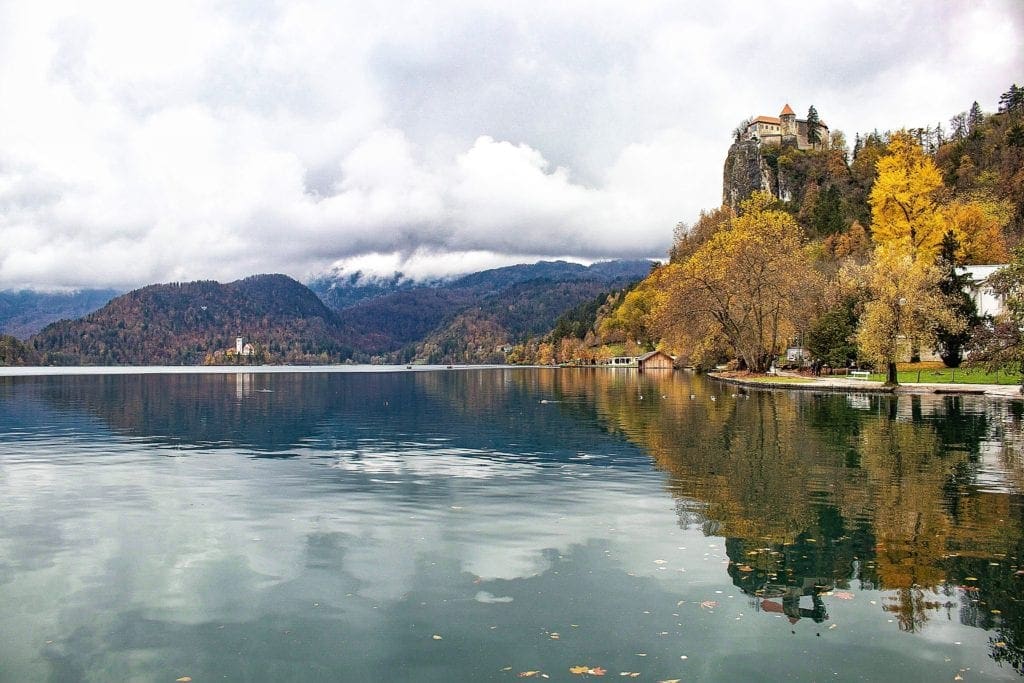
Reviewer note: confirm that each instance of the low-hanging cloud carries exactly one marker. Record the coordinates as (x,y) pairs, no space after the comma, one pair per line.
(197,141)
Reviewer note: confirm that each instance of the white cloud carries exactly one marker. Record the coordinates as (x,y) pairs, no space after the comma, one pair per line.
(142,144)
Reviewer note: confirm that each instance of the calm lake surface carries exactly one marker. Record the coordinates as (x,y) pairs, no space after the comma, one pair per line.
(479,525)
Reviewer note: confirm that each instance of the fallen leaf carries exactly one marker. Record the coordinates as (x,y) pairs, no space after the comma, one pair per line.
(597,671)
(436,637)
(843,595)
(183,679)
(833,626)
(709,604)
(527,674)
(671,680)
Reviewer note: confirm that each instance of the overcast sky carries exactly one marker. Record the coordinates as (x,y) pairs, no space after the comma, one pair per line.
(151,142)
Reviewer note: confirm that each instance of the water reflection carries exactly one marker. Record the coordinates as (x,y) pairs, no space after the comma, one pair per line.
(911,504)
(915,497)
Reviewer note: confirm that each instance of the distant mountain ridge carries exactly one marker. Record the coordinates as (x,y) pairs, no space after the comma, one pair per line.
(466,319)
(397,326)
(25,312)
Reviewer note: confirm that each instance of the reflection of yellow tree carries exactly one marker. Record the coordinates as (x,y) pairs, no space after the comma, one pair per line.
(762,471)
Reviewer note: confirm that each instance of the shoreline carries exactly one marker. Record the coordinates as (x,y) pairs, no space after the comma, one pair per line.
(80,370)
(844,385)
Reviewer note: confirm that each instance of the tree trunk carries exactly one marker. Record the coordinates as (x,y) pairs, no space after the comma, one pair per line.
(890,375)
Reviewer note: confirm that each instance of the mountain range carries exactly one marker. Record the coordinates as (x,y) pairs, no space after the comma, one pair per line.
(347,318)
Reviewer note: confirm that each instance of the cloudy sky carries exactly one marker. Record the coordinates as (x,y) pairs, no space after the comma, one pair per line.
(151,142)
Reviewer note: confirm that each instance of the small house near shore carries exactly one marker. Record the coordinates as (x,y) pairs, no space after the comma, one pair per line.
(655,360)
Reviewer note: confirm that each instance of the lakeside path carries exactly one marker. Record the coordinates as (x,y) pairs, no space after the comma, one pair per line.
(848,385)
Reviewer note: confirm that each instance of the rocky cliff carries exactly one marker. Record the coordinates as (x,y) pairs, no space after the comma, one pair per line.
(746,171)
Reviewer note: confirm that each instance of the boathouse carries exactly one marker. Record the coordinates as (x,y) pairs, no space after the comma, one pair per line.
(655,360)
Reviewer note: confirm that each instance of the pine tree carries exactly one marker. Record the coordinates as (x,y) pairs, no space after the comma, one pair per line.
(950,345)
(1012,101)
(813,136)
(974,119)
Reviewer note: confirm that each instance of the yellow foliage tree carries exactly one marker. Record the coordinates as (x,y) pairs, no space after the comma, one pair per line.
(905,199)
(744,289)
(906,306)
(977,225)
(633,316)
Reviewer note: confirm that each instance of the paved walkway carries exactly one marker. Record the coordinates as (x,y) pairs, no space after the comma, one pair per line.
(852,385)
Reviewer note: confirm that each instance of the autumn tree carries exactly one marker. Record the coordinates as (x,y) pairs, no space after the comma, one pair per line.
(977,224)
(905,304)
(905,200)
(688,239)
(746,288)
(999,344)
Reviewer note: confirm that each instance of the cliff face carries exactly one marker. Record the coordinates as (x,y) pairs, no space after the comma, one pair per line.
(746,171)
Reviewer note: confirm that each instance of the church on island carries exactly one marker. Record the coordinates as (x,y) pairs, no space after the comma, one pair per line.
(785,129)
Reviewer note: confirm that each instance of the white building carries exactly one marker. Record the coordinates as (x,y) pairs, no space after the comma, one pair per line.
(987,301)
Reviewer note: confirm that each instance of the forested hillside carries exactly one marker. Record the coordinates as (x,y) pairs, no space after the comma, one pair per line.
(857,253)
(195,322)
(470,318)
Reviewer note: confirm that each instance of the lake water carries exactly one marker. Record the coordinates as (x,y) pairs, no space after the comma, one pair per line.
(487,525)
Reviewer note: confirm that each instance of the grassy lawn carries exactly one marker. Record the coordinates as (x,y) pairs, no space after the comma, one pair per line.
(778,380)
(937,373)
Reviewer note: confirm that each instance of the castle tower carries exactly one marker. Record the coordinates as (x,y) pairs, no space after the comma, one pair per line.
(787,121)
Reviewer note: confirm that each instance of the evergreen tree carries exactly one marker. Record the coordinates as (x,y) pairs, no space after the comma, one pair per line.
(813,136)
(1012,101)
(952,285)
(958,126)
(974,119)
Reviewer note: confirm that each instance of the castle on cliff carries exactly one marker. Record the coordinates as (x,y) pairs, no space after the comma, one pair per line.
(785,129)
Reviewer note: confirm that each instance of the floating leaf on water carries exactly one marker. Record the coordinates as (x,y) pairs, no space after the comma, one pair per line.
(183,679)
(527,674)
(745,568)
(833,626)
(554,636)
(660,561)
(970,578)
(709,604)
(583,670)
(436,637)
(996,611)
(843,595)
(671,680)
